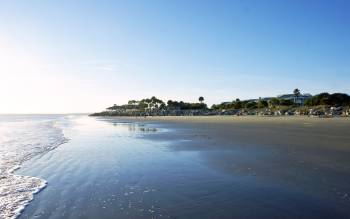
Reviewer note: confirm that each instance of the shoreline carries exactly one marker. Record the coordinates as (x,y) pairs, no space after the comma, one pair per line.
(30,140)
(226,118)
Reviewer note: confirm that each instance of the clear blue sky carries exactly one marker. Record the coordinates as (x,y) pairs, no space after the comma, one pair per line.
(82,56)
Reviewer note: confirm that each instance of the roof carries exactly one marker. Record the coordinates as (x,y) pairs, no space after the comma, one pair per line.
(291,96)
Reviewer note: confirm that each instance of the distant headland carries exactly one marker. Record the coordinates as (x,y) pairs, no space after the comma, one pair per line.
(322,105)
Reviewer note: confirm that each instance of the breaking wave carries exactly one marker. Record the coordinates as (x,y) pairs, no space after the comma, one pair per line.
(22,138)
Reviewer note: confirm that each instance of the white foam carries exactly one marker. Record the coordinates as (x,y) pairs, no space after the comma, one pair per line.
(20,140)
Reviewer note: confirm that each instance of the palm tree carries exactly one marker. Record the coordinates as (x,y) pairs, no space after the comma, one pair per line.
(296,93)
(201,99)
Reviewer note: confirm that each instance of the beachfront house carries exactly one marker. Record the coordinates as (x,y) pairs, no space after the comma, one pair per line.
(296,99)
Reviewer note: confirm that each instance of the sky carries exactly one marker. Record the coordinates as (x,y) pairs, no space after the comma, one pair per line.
(70,56)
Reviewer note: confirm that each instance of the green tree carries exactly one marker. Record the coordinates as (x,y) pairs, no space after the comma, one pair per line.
(238,104)
(133,102)
(251,105)
(201,99)
(296,92)
(262,103)
(336,99)
(162,106)
(155,102)
(284,102)
(114,107)
(274,102)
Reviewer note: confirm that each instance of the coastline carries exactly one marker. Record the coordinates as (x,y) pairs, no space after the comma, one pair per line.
(322,105)
(224,118)
(24,138)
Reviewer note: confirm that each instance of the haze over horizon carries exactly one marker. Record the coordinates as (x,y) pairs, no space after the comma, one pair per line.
(83,56)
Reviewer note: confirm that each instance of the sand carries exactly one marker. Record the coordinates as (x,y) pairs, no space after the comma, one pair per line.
(320,143)
(310,155)
(307,132)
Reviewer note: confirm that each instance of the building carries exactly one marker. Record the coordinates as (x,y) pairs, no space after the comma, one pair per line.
(298,100)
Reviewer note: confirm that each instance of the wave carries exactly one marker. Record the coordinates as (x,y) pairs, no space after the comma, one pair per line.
(21,140)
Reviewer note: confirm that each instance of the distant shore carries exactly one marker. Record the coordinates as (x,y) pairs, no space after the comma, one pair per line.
(227,118)
(319,111)
(321,105)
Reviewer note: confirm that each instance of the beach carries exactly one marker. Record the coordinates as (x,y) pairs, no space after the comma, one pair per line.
(195,167)
(175,109)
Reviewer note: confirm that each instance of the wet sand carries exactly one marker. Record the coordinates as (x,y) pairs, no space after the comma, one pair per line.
(293,132)
(197,167)
(305,155)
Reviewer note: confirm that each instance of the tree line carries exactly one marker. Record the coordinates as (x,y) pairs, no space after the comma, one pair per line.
(153,103)
(336,99)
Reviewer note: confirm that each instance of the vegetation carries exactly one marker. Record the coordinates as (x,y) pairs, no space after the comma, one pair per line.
(284,102)
(262,103)
(284,105)
(152,105)
(175,105)
(273,102)
(336,99)
(296,92)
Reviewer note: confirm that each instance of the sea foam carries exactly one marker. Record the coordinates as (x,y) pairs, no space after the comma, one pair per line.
(22,138)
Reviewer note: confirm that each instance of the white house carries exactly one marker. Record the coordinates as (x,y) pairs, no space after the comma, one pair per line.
(298,100)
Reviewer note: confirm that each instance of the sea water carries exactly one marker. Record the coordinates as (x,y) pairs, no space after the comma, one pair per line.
(21,138)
